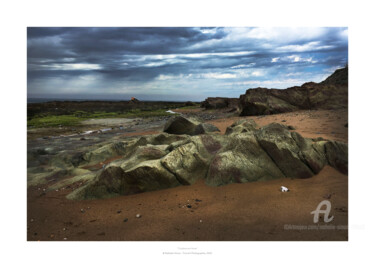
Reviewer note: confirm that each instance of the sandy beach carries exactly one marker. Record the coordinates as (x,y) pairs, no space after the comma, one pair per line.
(236,212)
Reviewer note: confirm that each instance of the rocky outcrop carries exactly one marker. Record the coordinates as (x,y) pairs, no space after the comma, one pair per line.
(332,93)
(245,154)
(220,103)
(189,126)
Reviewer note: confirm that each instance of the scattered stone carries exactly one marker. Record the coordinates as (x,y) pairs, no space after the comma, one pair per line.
(291,128)
(138,215)
(327,196)
(283,120)
(188,206)
(126,219)
(82,210)
(346,125)
(65,238)
(32,220)
(200,221)
(118,211)
(198,200)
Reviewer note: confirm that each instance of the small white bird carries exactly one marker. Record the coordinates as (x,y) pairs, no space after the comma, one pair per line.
(284,189)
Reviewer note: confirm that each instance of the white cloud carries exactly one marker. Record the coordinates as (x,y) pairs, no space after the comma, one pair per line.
(256,73)
(286,35)
(208,31)
(297,58)
(311,46)
(243,66)
(275,59)
(219,75)
(69,66)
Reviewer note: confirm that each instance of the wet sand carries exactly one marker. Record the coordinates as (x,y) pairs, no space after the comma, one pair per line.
(235,212)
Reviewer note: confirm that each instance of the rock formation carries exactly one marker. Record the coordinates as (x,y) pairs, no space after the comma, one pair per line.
(245,153)
(189,126)
(332,93)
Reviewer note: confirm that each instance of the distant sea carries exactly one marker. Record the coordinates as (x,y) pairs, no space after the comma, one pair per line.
(41,100)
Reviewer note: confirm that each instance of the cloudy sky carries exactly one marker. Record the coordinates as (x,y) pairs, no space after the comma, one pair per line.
(177,63)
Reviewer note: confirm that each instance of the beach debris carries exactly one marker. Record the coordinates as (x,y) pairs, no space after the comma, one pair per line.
(65,238)
(198,200)
(284,189)
(118,211)
(82,210)
(188,206)
(138,215)
(327,196)
(126,219)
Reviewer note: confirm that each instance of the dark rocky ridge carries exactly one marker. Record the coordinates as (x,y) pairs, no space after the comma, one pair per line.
(332,93)
(220,103)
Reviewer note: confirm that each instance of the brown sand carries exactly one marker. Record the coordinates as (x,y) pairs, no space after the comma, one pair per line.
(328,124)
(243,212)
(236,212)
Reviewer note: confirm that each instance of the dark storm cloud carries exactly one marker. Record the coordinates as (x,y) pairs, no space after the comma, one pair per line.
(208,61)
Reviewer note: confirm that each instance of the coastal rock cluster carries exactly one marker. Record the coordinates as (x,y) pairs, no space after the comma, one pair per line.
(332,93)
(245,153)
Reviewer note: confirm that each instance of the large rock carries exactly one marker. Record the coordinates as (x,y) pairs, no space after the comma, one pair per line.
(186,163)
(241,126)
(190,126)
(147,176)
(278,143)
(241,160)
(332,93)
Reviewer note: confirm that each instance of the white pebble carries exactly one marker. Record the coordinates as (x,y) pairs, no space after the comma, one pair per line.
(284,189)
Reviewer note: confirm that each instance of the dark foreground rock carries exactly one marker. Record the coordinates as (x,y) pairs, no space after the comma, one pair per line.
(245,153)
(332,93)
